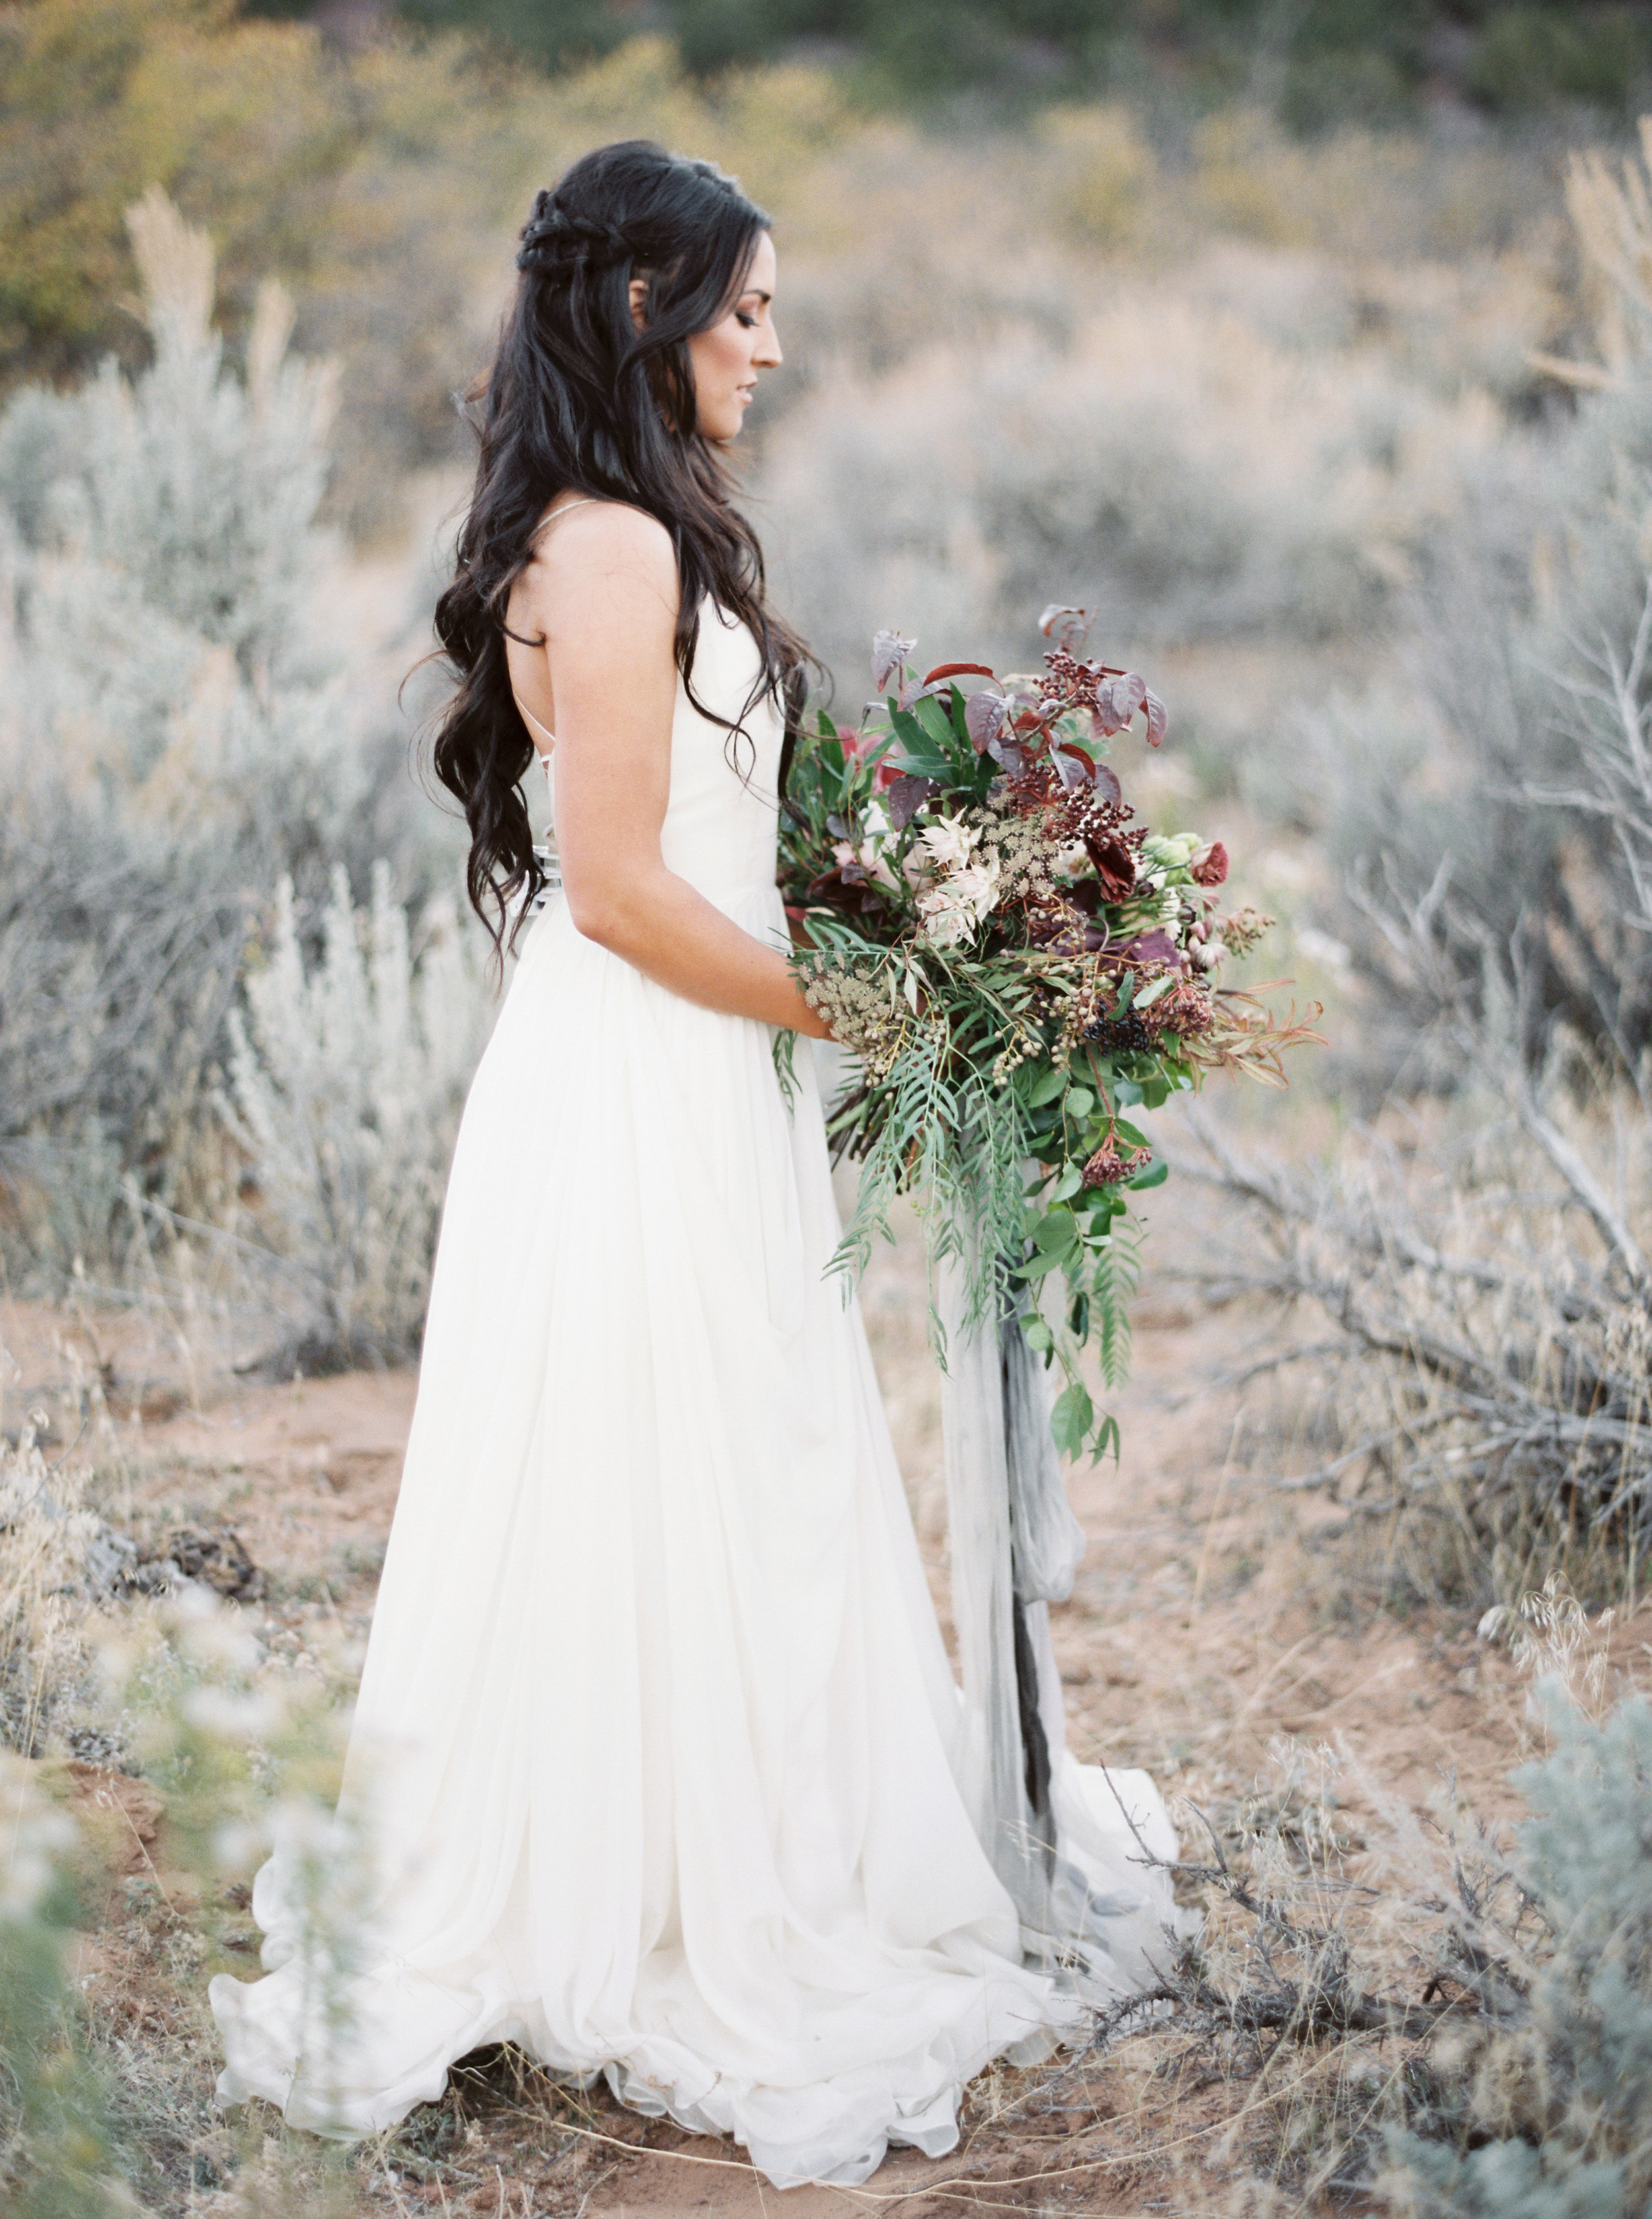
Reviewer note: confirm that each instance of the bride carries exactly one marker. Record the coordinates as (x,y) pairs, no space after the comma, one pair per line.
(656,1732)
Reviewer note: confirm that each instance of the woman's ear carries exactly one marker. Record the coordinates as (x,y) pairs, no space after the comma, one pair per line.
(639,293)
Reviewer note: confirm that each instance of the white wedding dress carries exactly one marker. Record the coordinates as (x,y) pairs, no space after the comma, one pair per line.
(656,1731)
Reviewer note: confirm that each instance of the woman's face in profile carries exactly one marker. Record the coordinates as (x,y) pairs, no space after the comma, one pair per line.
(729,357)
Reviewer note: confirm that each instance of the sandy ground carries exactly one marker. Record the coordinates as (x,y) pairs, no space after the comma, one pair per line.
(1211,1624)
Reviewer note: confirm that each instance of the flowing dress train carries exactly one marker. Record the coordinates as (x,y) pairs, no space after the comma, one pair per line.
(656,1732)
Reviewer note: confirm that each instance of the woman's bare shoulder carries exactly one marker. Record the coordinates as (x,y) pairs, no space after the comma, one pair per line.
(588,558)
(579,530)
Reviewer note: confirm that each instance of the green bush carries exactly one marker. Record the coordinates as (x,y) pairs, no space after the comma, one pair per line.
(55,2160)
(1544,2116)
(1527,58)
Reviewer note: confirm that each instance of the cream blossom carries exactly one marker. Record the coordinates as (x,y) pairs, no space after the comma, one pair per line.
(952,910)
(950,841)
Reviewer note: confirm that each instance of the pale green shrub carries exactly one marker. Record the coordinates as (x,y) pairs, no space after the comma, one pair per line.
(1490,813)
(55,2156)
(1546,2115)
(347,1077)
(1203,481)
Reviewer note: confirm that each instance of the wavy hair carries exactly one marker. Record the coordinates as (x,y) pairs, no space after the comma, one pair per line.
(577,399)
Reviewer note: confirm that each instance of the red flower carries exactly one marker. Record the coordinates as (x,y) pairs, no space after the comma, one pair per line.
(1209,866)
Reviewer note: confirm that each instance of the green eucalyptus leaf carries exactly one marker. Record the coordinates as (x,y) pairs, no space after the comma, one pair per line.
(1071,1419)
(1034,1269)
(1056,1231)
(1153,1174)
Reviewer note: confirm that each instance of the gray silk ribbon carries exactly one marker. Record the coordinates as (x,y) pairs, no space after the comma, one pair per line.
(1015,1547)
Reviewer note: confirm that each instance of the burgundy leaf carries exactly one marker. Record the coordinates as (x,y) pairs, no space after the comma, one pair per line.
(889,651)
(1117,702)
(903,799)
(1074,765)
(954,670)
(1155,947)
(1159,721)
(1105,783)
(1115,870)
(984,716)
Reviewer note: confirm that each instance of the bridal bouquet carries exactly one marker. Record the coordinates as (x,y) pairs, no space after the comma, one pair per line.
(1017,964)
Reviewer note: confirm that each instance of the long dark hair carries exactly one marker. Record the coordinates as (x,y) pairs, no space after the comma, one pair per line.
(578,400)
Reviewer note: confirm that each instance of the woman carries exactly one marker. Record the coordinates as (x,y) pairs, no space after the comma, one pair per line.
(662,1741)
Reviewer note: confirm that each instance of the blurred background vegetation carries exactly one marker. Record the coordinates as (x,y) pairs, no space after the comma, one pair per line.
(1300,341)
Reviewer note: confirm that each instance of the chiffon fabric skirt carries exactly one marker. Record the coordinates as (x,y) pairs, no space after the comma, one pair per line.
(657,1736)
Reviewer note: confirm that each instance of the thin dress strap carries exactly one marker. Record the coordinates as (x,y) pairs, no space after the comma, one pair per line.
(585,501)
(543,730)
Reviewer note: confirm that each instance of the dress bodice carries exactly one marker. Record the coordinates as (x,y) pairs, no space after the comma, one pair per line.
(719,828)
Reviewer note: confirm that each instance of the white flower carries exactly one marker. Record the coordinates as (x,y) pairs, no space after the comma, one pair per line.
(979,887)
(950,841)
(944,924)
(952,910)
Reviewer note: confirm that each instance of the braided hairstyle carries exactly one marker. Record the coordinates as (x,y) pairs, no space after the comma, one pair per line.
(578,400)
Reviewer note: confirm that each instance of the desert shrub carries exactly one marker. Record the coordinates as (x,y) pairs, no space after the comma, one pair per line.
(55,2156)
(1492,812)
(102,2110)
(1214,486)
(1458,2023)
(1541,2111)
(346,1082)
(367,181)
(57,1556)
(1463,1313)
(173,733)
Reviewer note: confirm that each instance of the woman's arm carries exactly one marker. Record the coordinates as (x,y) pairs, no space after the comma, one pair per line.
(603,592)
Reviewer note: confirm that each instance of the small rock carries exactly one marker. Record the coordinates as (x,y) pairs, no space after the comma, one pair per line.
(217,1560)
